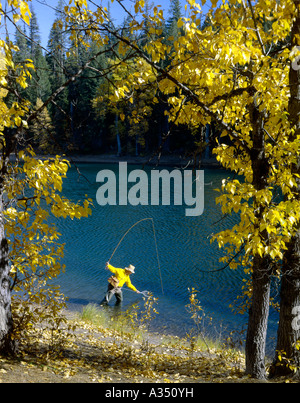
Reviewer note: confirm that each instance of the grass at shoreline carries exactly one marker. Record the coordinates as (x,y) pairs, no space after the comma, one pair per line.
(120,323)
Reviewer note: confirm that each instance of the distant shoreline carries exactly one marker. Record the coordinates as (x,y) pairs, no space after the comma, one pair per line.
(173,160)
(164,160)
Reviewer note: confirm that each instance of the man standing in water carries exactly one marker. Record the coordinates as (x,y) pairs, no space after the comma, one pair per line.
(116,282)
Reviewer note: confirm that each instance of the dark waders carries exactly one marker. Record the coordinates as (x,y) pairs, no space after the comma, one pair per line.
(117,291)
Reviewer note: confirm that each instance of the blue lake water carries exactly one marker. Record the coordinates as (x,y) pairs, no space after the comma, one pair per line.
(184,250)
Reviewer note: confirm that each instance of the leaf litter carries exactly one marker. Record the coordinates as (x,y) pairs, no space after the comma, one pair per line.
(99,354)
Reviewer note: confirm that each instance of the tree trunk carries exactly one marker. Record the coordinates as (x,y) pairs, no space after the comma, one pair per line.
(258,319)
(6,323)
(289,325)
(261,266)
(288,328)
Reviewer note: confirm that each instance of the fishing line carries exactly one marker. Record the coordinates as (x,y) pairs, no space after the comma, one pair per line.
(155,241)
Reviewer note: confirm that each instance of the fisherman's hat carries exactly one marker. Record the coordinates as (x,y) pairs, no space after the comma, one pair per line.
(130,268)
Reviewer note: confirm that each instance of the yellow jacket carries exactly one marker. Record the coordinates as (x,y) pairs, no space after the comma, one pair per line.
(122,277)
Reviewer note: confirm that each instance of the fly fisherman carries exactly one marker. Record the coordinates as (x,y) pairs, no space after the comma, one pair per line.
(116,282)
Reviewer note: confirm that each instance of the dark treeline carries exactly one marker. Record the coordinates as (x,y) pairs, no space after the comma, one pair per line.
(81,119)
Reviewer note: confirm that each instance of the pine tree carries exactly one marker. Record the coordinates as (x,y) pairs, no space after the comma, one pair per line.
(22,43)
(41,76)
(56,61)
(175,14)
(34,35)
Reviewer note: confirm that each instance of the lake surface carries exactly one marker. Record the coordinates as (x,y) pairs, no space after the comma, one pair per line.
(184,250)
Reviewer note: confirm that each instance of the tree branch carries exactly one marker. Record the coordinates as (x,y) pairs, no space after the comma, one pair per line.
(185,90)
(234,93)
(256,29)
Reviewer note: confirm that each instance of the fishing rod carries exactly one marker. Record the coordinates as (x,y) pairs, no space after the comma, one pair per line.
(155,241)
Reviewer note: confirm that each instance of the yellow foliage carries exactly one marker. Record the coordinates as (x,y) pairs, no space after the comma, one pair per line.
(35,252)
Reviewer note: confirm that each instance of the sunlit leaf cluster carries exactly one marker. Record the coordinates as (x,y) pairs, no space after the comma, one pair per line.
(33,196)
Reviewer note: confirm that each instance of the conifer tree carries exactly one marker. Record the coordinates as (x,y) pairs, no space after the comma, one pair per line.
(22,43)
(57,46)
(34,35)
(172,23)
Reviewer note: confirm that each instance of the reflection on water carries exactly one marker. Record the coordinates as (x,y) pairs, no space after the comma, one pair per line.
(184,250)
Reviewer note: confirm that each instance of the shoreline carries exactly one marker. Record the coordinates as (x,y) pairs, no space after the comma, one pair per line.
(164,160)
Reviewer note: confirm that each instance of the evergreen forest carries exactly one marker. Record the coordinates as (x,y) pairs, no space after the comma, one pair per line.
(82,119)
